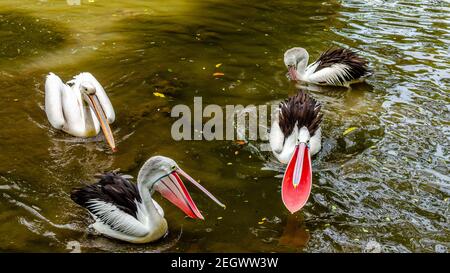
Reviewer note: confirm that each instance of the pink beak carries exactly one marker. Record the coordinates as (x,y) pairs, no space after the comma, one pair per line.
(292,73)
(172,188)
(297,180)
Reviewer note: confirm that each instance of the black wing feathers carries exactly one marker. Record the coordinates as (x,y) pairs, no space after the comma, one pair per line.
(357,65)
(300,108)
(111,188)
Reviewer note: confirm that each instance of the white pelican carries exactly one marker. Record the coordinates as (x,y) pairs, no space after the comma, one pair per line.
(336,66)
(126,211)
(80,107)
(295,136)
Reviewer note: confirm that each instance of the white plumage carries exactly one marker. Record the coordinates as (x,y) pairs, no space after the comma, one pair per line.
(116,219)
(80,107)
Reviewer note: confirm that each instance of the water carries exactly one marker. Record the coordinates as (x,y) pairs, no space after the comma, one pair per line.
(383,187)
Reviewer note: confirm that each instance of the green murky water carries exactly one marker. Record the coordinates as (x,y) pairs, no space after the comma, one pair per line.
(384,186)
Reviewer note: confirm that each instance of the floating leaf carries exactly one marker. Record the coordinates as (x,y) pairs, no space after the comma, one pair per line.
(219,218)
(240,142)
(218,74)
(260,223)
(229,163)
(218,65)
(349,130)
(170,70)
(159,94)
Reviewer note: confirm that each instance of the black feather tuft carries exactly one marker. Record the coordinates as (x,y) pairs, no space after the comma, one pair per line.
(111,188)
(300,109)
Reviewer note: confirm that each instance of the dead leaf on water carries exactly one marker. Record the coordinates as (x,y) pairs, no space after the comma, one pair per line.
(349,130)
(157,94)
(218,74)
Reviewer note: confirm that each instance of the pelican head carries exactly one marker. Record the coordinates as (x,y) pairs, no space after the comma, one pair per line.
(296,60)
(87,88)
(161,173)
(304,136)
(156,164)
(89,91)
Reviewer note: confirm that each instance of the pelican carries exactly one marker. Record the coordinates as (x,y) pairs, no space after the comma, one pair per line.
(80,107)
(295,136)
(126,211)
(336,66)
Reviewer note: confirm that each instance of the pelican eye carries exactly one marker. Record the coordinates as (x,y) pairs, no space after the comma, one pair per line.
(173,168)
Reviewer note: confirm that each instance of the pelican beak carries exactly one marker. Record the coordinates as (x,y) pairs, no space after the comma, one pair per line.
(94,103)
(172,188)
(292,73)
(297,179)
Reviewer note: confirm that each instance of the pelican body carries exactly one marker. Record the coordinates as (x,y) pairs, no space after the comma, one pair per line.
(336,66)
(127,212)
(295,136)
(80,107)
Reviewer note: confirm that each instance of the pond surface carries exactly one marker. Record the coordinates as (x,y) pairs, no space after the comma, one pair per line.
(384,186)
